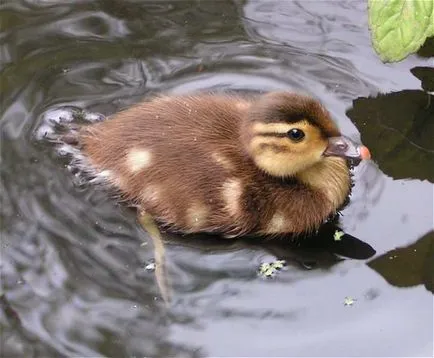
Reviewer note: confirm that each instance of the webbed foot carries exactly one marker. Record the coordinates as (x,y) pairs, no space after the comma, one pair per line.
(161,275)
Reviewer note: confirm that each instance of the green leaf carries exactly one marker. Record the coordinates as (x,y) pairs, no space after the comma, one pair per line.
(338,235)
(400,27)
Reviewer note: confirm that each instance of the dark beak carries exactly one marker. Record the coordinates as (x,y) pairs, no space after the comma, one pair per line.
(344,147)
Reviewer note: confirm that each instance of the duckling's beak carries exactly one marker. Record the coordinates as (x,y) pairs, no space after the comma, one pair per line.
(344,147)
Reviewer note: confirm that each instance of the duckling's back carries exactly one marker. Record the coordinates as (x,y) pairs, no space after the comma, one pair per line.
(175,157)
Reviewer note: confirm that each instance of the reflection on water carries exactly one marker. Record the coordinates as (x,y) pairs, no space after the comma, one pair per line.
(73,260)
(404,121)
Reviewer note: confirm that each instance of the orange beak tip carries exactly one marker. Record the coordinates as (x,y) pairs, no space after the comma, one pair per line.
(365,154)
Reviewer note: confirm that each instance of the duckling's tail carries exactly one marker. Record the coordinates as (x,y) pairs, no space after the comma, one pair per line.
(62,128)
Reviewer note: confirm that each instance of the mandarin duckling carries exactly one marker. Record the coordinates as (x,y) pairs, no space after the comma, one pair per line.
(272,164)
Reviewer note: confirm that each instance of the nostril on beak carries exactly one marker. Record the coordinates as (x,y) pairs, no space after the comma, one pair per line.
(342,146)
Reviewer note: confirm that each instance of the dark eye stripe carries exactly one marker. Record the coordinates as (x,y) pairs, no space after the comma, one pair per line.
(275,148)
(272,134)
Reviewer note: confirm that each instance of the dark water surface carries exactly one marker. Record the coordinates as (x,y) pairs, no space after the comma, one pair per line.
(73,260)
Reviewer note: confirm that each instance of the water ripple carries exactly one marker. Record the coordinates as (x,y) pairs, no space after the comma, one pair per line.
(73,258)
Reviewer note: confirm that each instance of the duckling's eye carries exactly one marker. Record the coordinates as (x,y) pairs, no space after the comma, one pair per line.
(296,134)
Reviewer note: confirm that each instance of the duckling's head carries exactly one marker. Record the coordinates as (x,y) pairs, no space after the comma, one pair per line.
(287,133)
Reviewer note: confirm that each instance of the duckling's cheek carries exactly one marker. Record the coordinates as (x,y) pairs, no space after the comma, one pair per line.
(231,193)
(197,215)
(138,159)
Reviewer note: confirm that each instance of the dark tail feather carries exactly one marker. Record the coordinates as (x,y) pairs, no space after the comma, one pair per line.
(62,127)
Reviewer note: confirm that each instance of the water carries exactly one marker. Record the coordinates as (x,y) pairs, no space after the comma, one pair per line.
(73,260)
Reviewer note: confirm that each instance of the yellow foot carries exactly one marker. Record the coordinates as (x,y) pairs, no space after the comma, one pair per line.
(149,225)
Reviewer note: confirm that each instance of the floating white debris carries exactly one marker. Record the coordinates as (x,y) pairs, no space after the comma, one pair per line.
(268,269)
(349,301)
(150,267)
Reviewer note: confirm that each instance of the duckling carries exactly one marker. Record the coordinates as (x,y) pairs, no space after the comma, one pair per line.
(267,165)
(271,164)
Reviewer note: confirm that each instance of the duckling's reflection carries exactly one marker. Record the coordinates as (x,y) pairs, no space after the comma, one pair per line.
(399,133)
(320,250)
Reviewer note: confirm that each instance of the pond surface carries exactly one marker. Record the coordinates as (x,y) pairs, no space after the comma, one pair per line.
(73,261)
